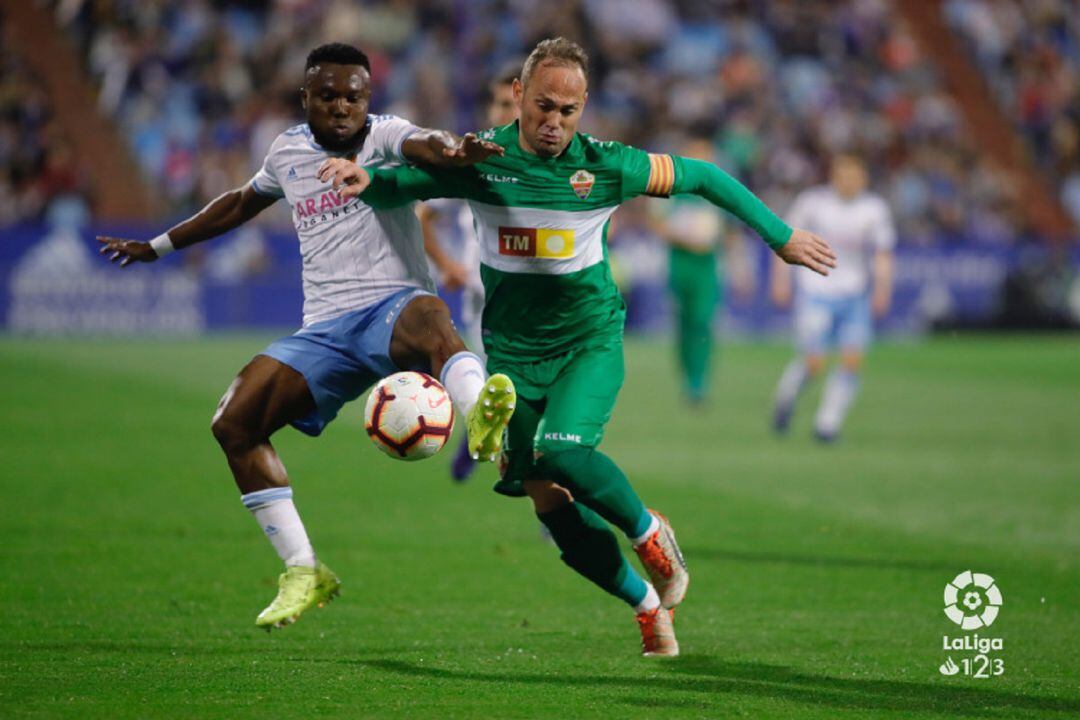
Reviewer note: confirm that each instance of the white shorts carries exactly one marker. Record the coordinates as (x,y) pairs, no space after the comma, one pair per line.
(823,324)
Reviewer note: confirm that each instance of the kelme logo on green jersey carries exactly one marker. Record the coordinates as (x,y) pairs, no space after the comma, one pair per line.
(582,182)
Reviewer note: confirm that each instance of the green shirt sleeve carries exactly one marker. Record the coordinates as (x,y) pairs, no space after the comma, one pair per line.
(636,170)
(665,175)
(395,187)
(706,180)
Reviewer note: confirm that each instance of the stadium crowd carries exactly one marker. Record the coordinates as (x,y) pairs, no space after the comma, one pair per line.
(1029,53)
(201,89)
(37,164)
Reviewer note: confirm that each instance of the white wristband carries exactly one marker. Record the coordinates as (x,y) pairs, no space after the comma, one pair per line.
(162,245)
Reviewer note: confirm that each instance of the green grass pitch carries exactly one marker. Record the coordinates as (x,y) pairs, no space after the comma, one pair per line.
(130,574)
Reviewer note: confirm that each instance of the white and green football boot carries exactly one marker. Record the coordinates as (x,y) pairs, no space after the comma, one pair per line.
(664,563)
(488,419)
(299,588)
(657,633)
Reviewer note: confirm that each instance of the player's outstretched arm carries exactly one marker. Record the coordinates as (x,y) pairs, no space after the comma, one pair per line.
(882,283)
(393,187)
(453,274)
(389,188)
(793,245)
(780,291)
(807,249)
(224,213)
(440,148)
(348,178)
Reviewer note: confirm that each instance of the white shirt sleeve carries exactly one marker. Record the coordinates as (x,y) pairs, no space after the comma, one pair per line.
(799,214)
(883,230)
(388,132)
(266,182)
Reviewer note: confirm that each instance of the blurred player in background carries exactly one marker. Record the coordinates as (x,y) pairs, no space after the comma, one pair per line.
(553,318)
(836,314)
(464,273)
(698,237)
(369,307)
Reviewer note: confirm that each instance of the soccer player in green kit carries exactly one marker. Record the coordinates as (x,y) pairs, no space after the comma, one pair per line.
(700,240)
(553,318)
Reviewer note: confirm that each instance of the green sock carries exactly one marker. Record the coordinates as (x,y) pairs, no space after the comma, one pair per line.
(590,548)
(594,480)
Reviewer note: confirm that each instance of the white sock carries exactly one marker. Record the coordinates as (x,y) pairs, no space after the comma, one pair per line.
(791,383)
(651,601)
(653,527)
(840,391)
(463,376)
(274,511)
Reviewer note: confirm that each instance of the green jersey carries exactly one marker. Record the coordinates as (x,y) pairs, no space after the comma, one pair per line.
(542,227)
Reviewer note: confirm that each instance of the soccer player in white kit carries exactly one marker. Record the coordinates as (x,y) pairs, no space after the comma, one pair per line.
(835,313)
(369,307)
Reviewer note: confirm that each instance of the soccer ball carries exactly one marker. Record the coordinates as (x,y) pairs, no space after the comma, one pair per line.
(409,416)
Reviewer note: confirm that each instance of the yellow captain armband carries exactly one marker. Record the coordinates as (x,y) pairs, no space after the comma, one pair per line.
(661,175)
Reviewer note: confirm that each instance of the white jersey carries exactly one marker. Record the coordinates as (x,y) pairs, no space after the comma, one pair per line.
(353,256)
(470,251)
(855,229)
(696,224)
(466,248)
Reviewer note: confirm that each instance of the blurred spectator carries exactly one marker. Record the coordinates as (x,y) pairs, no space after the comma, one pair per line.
(1029,52)
(38,166)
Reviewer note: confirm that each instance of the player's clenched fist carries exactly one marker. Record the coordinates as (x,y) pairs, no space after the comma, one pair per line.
(346,176)
(126,251)
(807,249)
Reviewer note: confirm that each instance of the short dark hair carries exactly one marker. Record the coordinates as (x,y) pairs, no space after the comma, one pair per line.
(337,54)
(557,51)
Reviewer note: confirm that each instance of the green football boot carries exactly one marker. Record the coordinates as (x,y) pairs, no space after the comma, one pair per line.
(488,419)
(299,588)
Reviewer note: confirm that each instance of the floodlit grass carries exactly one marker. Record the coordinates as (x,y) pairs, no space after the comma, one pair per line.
(132,574)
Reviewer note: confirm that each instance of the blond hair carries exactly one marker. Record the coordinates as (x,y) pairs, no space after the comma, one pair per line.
(556,51)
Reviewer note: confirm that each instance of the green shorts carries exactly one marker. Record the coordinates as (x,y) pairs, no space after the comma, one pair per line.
(563,402)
